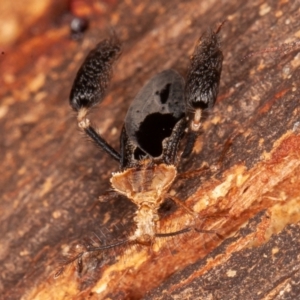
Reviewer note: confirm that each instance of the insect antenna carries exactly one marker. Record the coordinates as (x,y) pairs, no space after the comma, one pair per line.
(90,86)
(220,26)
(283,48)
(202,83)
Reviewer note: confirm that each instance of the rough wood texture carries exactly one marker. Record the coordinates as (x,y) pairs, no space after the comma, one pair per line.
(51,177)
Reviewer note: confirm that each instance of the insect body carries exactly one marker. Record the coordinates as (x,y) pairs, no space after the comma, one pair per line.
(153,128)
(146,186)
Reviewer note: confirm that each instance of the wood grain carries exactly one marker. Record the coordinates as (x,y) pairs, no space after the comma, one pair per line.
(52,177)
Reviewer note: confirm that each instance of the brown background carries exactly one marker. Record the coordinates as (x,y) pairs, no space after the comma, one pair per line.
(51,176)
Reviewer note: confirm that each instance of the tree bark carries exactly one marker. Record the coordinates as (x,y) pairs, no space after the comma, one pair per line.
(246,190)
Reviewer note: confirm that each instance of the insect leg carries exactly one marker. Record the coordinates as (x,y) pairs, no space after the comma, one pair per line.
(191,139)
(193,173)
(185,230)
(170,146)
(179,202)
(90,85)
(98,139)
(126,150)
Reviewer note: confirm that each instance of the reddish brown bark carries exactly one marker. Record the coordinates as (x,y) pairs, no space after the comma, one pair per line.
(52,177)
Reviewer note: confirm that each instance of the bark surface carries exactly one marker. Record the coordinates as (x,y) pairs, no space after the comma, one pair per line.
(248,191)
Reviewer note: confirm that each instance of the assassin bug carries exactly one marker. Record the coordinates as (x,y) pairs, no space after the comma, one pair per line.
(154,126)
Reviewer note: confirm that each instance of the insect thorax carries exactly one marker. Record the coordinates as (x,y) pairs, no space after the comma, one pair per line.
(146,184)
